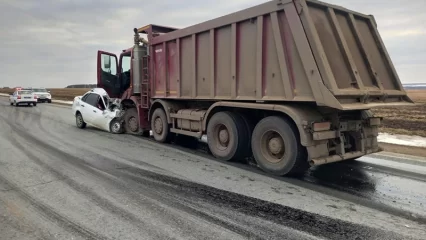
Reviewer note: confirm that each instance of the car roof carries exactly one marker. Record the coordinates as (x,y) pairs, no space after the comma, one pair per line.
(99,91)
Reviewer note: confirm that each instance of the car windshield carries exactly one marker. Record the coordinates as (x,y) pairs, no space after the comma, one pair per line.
(24,92)
(106,100)
(39,90)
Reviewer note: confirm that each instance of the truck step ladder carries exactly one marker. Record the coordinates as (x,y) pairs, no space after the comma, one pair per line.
(145,91)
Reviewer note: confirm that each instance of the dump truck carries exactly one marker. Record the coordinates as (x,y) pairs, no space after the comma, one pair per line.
(289,83)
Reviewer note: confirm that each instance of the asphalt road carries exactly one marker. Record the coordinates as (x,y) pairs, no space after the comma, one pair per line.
(60,182)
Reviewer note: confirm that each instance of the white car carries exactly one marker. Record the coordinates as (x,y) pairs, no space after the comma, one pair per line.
(23,97)
(95,108)
(43,95)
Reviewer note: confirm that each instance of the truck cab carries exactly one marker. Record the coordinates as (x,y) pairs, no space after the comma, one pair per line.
(115,73)
(127,77)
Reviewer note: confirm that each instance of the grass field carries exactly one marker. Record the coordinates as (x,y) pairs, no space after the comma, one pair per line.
(398,120)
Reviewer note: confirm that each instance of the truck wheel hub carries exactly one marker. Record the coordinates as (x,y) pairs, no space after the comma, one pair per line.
(133,124)
(158,126)
(223,136)
(275,145)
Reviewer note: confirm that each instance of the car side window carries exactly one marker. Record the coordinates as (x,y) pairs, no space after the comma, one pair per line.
(92,99)
(85,97)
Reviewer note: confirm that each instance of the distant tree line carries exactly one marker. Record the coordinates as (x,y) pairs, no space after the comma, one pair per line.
(82,86)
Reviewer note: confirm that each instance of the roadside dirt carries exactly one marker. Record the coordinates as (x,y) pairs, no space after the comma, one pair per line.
(405,120)
(66,94)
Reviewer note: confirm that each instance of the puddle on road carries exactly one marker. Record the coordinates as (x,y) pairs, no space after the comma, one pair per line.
(367,182)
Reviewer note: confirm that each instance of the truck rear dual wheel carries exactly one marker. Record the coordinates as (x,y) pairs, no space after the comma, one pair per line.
(227,135)
(277,149)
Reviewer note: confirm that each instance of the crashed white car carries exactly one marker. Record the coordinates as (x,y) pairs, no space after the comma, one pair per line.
(97,109)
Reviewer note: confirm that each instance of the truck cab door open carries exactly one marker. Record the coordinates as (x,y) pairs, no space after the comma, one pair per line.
(108,74)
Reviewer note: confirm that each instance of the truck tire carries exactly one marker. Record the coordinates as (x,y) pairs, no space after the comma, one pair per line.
(160,127)
(131,121)
(249,128)
(11,103)
(277,149)
(79,121)
(227,136)
(34,104)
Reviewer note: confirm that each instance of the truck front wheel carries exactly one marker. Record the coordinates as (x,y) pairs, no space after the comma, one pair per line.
(160,126)
(131,121)
(227,136)
(277,149)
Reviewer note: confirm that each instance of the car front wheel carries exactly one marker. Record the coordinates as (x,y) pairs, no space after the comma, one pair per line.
(116,126)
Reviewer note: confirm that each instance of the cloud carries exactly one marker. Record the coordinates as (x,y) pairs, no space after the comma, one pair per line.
(53,43)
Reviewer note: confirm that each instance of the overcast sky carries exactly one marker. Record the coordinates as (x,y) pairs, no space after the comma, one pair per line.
(53,43)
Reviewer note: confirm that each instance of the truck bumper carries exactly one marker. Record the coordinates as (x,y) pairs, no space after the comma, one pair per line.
(346,156)
(352,139)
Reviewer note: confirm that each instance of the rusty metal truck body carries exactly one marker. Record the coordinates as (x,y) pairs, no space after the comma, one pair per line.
(290,82)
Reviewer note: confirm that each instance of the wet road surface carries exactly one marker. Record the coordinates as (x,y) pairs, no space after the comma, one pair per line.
(60,182)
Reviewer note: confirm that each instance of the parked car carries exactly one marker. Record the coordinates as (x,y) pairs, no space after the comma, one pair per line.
(43,95)
(23,97)
(97,109)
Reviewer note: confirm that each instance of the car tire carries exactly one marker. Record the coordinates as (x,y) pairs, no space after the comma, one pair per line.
(80,121)
(11,103)
(116,126)
(49,101)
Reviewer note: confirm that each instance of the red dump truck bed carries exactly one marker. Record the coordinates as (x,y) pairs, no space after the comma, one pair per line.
(282,50)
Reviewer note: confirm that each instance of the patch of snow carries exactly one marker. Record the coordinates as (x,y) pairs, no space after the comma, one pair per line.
(62,102)
(414,141)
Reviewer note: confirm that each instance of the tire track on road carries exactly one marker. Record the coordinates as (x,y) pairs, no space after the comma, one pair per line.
(297,219)
(81,164)
(52,215)
(101,202)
